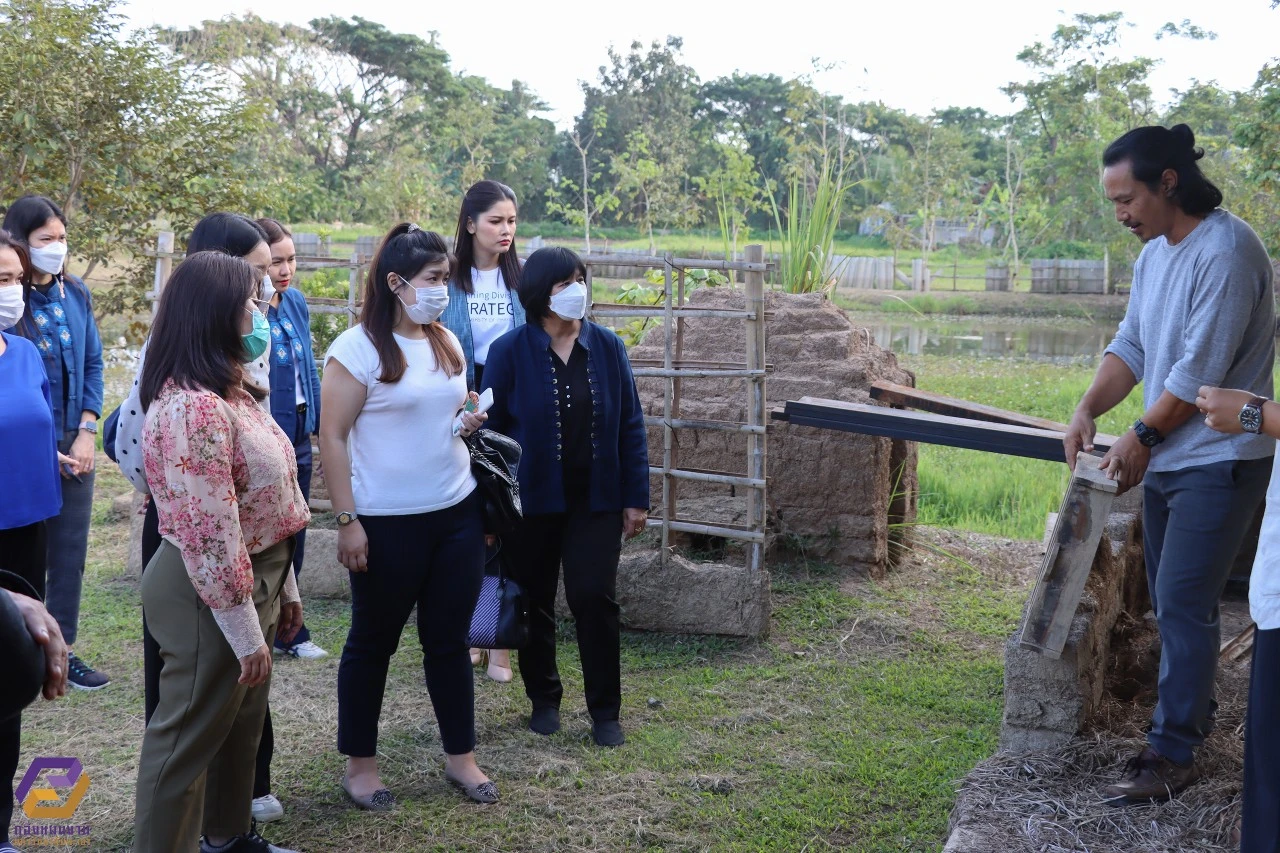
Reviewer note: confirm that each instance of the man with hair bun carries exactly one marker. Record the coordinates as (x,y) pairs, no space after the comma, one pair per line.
(1201,312)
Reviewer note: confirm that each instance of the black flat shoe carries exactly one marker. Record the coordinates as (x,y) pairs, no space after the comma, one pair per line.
(545,721)
(484,793)
(608,733)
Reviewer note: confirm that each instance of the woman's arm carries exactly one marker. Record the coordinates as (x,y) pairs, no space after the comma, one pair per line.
(344,396)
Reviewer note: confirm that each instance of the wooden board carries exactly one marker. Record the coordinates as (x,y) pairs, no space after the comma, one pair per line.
(893,394)
(1240,645)
(1082,519)
(928,428)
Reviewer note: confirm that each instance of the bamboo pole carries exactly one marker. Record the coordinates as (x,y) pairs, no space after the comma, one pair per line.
(353,284)
(713,477)
(754,536)
(694,263)
(696,423)
(668,493)
(694,373)
(676,388)
(757,414)
(609,309)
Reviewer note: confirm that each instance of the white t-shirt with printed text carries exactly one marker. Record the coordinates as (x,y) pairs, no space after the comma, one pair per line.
(489,309)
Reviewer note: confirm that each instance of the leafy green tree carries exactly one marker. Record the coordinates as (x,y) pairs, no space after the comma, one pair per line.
(120,134)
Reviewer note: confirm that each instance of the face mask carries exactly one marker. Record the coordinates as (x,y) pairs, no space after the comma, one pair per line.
(49,259)
(268,289)
(255,343)
(11,305)
(570,303)
(430,304)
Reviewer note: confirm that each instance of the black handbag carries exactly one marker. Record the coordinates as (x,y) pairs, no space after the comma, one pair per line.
(501,617)
(494,460)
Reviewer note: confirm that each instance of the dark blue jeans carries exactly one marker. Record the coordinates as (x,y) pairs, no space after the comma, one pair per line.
(436,561)
(68,547)
(1193,523)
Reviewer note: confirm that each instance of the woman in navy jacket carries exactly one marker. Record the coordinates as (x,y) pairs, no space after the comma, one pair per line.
(59,321)
(563,388)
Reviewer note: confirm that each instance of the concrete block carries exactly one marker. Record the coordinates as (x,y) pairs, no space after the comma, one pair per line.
(323,576)
(1047,702)
(688,598)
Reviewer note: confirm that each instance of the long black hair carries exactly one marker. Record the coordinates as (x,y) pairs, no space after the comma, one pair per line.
(232,233)
(404,251)
(543,270)
(24,216)
(1152,150)
(196,339)
(482,196)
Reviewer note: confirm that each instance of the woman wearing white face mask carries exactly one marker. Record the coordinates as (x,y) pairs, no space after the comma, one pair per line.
(563,388)
(59,321)
(411,527)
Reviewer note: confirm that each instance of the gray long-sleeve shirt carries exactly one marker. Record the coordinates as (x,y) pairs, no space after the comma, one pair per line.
(1202,312)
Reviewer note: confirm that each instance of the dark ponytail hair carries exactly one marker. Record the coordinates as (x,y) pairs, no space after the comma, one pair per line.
(233,233)
(482,196)
(404,251)
(1153,149)
(24,216)
(274,229)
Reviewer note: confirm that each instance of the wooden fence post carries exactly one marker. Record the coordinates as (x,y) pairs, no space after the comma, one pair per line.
(164,266)
(757,405)
(353,282)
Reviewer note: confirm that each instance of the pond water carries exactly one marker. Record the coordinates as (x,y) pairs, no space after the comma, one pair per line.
(1064,341)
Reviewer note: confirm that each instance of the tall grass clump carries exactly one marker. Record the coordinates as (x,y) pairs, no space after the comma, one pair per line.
(807,232)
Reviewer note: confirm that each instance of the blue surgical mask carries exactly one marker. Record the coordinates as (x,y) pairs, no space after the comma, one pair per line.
(255,343)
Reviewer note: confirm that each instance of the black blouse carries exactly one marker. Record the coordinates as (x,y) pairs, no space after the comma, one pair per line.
(575,411)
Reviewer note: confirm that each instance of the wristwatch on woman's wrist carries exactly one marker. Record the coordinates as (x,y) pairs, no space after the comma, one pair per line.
(89,426)
(1251,415)
(345,518)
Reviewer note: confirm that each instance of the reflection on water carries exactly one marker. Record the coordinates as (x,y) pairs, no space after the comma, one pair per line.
(1066,342)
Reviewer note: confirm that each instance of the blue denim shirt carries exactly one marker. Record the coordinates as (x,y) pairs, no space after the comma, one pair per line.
(293,313)
(525,407)
(82,362)
(457,320)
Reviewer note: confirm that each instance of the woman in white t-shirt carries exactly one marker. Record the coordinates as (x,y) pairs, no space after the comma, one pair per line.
(410,519)
(483,305)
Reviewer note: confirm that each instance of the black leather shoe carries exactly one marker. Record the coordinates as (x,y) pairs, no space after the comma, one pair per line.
(545,721)
(608,733)
(1150,777)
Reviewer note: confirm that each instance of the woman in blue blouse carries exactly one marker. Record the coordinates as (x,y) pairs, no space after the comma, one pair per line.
(59,321)
(563,388)
(29,459)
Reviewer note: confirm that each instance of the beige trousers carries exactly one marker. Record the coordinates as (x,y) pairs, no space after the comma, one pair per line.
(196,771)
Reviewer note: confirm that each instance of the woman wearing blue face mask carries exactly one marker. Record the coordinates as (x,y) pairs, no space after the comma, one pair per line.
(59,320)
(563,388)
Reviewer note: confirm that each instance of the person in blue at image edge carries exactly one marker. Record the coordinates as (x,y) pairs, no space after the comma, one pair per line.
(29,459)
(59,321)
(563,388)
(484,306)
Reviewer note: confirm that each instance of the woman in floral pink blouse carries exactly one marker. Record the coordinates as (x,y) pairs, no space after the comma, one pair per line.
(224,480)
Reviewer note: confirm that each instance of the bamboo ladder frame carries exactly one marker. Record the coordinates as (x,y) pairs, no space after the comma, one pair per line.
(675,369)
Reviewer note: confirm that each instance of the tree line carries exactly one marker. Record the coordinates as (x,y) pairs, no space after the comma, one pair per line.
(346,120)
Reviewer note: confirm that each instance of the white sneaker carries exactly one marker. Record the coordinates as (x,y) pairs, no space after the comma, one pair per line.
(307,651)
(267,809)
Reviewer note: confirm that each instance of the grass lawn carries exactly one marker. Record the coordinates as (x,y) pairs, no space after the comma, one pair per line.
(1002,495)
(848,727)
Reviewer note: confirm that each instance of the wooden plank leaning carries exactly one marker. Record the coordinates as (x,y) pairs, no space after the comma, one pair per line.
(893,394)
(1069,557)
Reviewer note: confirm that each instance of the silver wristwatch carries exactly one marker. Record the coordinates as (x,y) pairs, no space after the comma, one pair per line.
(345,518)
(1251,415)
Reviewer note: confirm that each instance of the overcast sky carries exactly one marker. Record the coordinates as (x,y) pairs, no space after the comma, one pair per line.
(914,55)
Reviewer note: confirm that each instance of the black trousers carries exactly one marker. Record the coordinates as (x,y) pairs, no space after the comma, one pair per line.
(23,551)
(151,663)
(436,561)
(1260,828)
(587,545)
